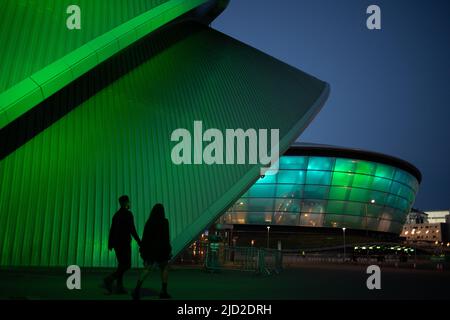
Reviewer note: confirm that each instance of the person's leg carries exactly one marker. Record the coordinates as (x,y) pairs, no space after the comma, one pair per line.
(109,280)
(124,257)
(143,275)
(165,274)
(164,278)
(136,294)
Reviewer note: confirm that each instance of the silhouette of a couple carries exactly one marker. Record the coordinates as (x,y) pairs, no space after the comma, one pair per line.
(155,248)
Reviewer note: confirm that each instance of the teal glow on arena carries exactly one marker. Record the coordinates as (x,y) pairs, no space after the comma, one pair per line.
(329,191)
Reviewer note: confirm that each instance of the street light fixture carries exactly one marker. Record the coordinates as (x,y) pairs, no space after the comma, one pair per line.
(268,234)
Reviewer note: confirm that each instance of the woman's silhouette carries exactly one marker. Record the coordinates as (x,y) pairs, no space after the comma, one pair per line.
(155,249)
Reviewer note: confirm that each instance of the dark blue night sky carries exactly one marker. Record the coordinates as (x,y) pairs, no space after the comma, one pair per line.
(390,88)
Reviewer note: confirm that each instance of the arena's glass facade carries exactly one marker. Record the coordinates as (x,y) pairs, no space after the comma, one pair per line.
(320,191)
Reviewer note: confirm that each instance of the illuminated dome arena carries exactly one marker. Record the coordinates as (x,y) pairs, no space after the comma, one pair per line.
(331,187)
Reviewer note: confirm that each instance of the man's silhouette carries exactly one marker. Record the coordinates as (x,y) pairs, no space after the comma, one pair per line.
(122,228)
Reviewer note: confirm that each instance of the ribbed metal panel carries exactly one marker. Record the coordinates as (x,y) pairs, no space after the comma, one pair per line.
(59,190)
(60,56)
(33,33)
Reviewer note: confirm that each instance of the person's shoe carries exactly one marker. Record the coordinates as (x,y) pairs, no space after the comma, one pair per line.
(122,291)
(136,294)
(107,283)
(164,295)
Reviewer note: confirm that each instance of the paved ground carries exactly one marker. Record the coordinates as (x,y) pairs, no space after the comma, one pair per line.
(307,282)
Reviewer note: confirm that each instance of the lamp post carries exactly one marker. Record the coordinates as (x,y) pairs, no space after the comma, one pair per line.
(268,235)
(415,257)
(365,205)
(367,228)
(343,232)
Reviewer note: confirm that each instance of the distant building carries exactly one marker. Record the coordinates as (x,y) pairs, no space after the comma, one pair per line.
(416,217)
(426,232)
(438,216)
(428,226)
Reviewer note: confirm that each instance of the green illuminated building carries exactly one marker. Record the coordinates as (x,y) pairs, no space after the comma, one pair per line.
(331,187)
(87,115)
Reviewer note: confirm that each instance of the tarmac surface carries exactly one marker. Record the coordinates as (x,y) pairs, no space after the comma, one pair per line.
(305,282)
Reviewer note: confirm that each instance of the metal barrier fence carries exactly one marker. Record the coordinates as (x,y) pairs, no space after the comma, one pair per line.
(258,260)
(271,261)
(291,260)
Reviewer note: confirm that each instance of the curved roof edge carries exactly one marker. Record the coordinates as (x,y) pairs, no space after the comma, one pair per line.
(299,148)
(34,89)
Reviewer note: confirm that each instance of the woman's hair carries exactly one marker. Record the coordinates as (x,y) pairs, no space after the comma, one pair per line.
(157,214)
